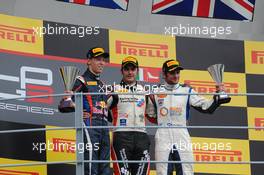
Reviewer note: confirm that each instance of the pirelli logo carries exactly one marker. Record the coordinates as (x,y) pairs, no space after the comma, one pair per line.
(259,122)
(12,172)
(209,86)
(63,145)
(257,57)
(17,34)
(214,156)
(142,49)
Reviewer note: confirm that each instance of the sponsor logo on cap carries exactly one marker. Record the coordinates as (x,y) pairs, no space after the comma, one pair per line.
(95,50)
(172,63)
(130,59)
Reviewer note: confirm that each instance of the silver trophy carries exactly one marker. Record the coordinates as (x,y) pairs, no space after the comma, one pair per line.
(217,72)
(68,74)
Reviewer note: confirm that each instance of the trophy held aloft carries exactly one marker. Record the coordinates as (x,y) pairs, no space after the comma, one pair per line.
(217,72)
(68,74)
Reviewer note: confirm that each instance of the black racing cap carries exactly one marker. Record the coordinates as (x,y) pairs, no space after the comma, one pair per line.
(130,60)
(171,65)
(97,52)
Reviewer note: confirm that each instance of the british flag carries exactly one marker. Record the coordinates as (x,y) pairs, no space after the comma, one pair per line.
(112,4)
(221,9)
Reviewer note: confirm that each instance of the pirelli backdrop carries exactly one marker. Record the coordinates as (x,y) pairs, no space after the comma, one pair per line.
(31,52)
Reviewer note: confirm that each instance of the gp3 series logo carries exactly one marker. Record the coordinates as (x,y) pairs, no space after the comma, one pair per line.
(30,86)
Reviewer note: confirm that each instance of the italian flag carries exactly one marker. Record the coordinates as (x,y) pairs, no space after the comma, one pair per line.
(140,76)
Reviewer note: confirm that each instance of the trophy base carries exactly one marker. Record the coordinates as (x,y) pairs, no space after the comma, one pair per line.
(224,99)
(66,106)
(66,109)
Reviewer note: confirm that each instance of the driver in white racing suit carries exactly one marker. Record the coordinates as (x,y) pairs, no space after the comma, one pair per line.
(173,110)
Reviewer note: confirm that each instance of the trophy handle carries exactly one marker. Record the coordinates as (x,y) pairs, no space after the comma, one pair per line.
(222,97)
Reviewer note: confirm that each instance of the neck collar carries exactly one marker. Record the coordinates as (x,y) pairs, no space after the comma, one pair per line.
(92,74)
(171,86)
(131,87)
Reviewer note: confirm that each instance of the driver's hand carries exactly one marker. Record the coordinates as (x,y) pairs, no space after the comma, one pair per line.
(67,96)
(220,87)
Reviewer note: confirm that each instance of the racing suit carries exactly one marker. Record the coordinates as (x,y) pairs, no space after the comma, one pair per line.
(96,109)
(173,110)
(129,143)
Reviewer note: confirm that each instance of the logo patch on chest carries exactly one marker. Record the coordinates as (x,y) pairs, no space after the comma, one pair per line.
(164,111)
(123,122)
(176,111)
(140,102)
(160,102)
(162,95)
(91,83)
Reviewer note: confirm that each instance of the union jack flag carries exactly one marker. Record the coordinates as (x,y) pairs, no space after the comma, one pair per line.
(112,4)
(222,9)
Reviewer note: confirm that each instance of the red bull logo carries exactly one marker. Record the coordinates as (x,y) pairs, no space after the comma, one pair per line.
(102,104)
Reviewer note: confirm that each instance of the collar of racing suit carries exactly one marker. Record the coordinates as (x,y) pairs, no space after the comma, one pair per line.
(171,87)
(131,87)
(92,75)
